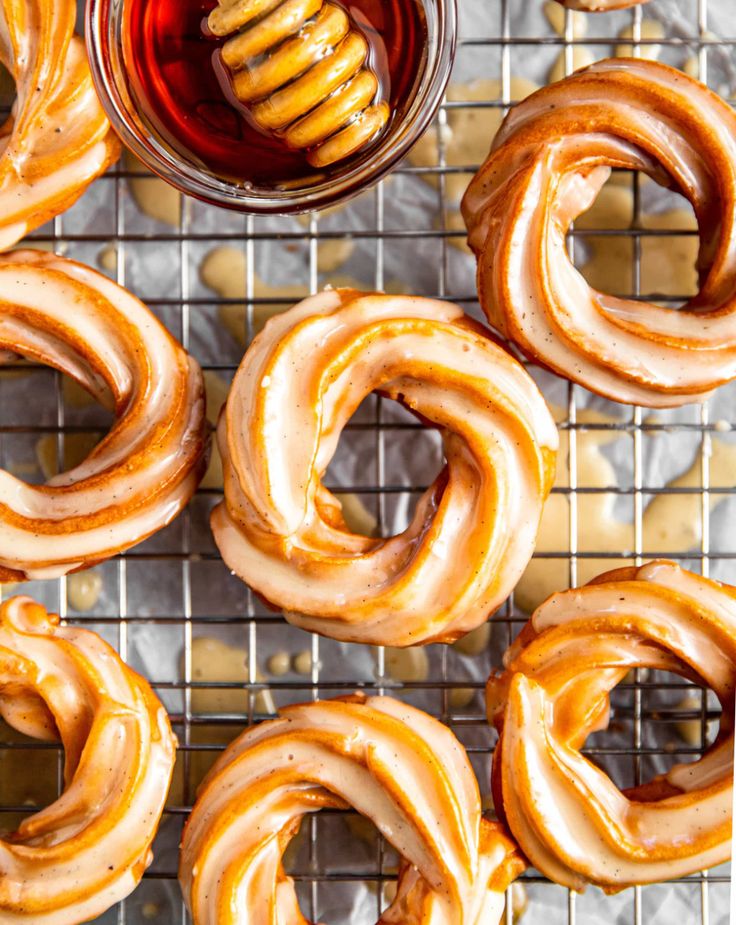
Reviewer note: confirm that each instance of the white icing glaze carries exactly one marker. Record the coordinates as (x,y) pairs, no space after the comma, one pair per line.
(57,138)
(145,470)
(569,818)
(395,765)
(548,162)
(86,851)
(473,532)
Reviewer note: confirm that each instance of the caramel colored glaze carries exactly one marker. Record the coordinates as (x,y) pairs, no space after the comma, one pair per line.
(300,66)
(599,6)
(671,523)
(553,154)
(137,479)
(400,768)
(571,821)
(474,529)
(57,139)
(88,850)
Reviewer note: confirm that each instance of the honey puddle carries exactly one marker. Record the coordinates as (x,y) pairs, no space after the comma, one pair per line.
(28,776)
(154,197)
(466,139)
(77,447)
(215,661)
(670,523)
(225,270)
(667,263)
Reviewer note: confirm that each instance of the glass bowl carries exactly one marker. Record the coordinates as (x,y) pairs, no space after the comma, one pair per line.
(104,31)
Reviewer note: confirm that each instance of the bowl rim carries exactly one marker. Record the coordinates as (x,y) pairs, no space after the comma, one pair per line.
(164,161)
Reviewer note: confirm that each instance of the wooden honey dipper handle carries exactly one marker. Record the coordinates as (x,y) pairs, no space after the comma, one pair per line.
(300,68)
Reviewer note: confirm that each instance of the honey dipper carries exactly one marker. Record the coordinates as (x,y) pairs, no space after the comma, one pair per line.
(299,66)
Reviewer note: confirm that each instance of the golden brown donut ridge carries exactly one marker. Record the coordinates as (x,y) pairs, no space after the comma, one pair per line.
(550,158)
(136,480)
(57,139)
(569,818)
(397,766)
(76,858)
(474,528)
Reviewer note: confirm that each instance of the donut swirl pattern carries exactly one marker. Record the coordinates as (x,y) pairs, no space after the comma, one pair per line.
(473,532)
(60,313)
(395,765)
(57,138)
(75,859)
(568,817)
(550,158)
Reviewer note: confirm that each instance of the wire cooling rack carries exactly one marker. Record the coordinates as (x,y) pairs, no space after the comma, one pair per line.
(158,598)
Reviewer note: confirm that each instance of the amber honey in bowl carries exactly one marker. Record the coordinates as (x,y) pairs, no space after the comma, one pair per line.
(182,88)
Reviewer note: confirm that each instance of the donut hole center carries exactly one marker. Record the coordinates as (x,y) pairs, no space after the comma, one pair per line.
(8,94)
(31,776)
(379,491)
(65,425)
(348,846)
(638,240)
(658,720)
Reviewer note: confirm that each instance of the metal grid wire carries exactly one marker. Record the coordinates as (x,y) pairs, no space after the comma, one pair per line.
(184,558)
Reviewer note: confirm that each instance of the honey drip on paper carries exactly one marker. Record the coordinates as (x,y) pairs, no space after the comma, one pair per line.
(670,523)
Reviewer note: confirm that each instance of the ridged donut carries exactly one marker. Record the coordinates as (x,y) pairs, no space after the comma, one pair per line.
(134,482)
(395,765)
(85,852)
(568,817)
(57,139)
(549,160)
(473,532)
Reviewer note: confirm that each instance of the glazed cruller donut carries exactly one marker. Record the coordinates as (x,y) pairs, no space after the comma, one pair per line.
(62,314)
(397,766)
(473,532)
(57,138)
(568,817)
(85,852)
(553,153)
